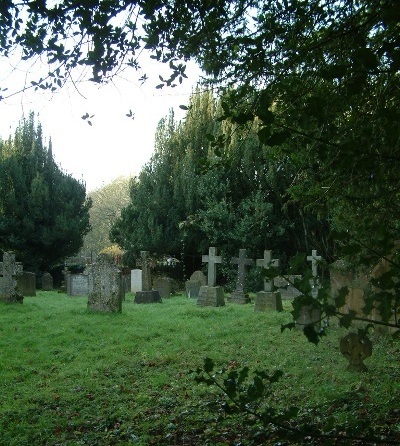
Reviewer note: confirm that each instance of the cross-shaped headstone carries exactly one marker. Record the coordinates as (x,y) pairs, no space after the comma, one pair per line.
(212,259)
(146,273)
(241,261)
(313,258)
(266,263)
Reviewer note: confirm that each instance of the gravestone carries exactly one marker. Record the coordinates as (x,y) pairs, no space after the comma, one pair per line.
(9,270)
(136,280)
(64,287)
(210,294)
(311,314)
(287,290)
(192,286)
(163,286)
(147,295)
(26,283)
(78,284)
(356,348)
(238,296)
(47,282)
(105,287)
(268,299)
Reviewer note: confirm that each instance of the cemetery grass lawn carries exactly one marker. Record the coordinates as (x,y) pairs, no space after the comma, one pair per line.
(72,377)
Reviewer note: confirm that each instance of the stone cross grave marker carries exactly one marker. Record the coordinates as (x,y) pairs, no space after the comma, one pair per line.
(9,269)
(146,271)
(241,261)
(313,258)
(356,348)
(266,263)
(212,259)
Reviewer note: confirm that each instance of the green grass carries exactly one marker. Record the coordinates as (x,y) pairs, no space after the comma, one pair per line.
(72,377)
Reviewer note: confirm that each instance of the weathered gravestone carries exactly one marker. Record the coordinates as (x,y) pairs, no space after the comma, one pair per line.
(105,287)
(163,286)
(286,287)
(210,294)
(311,314)
(268,299)
(64,287)
(356,348)
(78,284)
(136,280)
(192,286)
(147,295)
(238,296)
(47,282)
(26,283)
(9,270)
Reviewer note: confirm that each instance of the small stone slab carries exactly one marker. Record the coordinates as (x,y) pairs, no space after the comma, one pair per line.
(309,315)
(211,296)
(163,286)
(192,288)
(239,297)
(26,283)
(47,282)
(268,301)
(199,276)
(356,348)
(147,297)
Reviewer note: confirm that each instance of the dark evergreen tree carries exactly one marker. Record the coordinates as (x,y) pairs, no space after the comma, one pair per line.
(44,212)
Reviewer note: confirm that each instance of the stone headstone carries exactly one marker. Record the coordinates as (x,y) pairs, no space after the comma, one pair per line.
(136,280)
(163,286)
(211,295)
(192,289)
(192,286)
(26,283)
(268,299)
(78,284)
(147,295)
(356,348)
(309,315)
(284,284)
(238,295)
(105,287)
(47,282)
(314,259)
(9,270)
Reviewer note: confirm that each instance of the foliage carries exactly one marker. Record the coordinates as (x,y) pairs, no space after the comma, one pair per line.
(107,202)
(44,212)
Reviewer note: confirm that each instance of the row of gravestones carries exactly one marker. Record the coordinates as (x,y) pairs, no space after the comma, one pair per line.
(106,293)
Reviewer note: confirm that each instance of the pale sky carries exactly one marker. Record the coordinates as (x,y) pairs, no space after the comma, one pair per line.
(115,144)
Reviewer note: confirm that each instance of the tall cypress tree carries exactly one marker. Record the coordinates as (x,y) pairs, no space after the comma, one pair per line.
(44,212)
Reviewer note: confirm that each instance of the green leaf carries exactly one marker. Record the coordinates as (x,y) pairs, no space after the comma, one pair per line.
(264,134)
(208,365)
(278,138)
(333,71)
(184,107)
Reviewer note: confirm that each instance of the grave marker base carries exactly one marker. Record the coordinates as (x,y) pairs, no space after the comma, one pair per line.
(147,297)
(211,296)
(268,301)
(239,297)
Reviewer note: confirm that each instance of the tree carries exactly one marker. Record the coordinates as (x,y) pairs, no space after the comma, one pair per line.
(44,212)
(107,202)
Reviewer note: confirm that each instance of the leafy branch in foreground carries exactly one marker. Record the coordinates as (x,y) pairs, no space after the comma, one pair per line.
(252,399)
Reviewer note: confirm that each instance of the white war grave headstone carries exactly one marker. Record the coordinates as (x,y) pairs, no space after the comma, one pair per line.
(147,295)
(268,299)
(9,270)
(210,294)
(238,296)
(136,280)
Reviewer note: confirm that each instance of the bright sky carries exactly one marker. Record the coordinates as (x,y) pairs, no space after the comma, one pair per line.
(115,144)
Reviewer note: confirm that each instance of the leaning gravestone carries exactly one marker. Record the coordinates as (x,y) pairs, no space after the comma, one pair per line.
(47,282)
(239,296)
(163,286)
(147,295)
(105,287)
(136,280)
(268,299)
(9,270)
(356,348)
(26,283)
(210,294)
(192,286)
